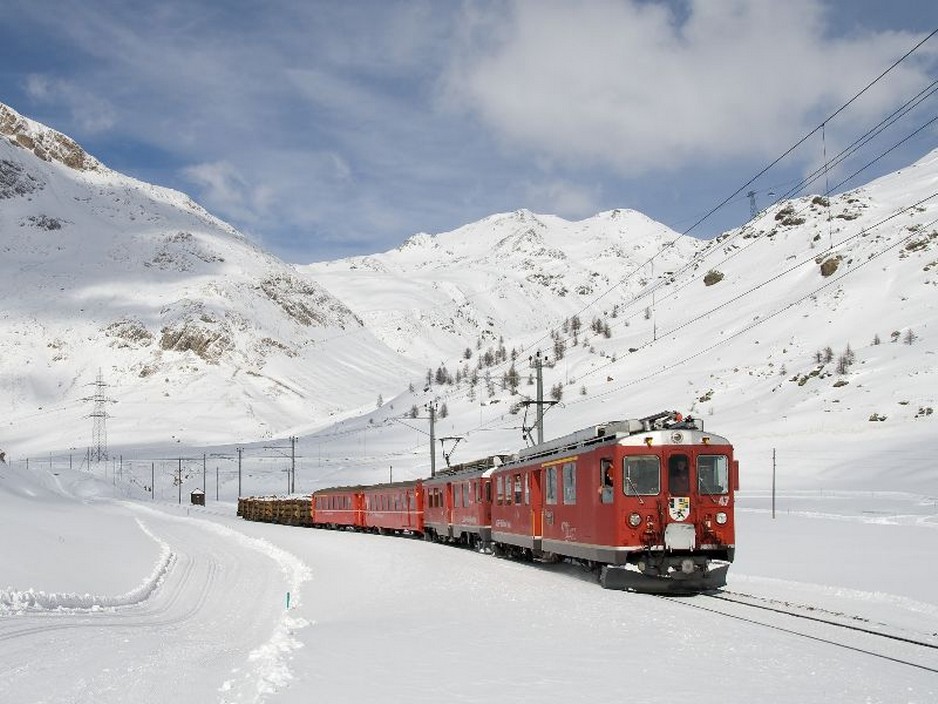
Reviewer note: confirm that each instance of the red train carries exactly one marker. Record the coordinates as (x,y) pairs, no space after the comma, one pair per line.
(646,502)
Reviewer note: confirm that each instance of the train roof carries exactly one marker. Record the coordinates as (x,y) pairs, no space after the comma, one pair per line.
(667,427)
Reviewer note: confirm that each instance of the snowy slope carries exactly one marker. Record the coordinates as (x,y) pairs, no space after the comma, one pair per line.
(198,333)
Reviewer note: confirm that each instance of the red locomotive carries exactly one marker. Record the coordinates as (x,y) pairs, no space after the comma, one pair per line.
(647,502)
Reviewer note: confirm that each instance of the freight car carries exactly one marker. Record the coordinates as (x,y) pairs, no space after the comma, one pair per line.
(648,503)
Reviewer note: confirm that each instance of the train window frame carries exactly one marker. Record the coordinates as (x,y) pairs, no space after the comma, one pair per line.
(527,488)
(499,489)
(639,485)
(716,485)
(518,493)
(550,482)
(569,483)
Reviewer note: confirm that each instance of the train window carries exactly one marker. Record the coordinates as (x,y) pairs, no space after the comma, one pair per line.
(569,482)
(466,494)
(605,480)
(713,474)
(678,475)
(641,475)
(551,494)
(527,489)
(518,490)
(499,489)
(488,492)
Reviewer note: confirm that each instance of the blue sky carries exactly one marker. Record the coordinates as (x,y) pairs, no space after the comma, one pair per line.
(330,128)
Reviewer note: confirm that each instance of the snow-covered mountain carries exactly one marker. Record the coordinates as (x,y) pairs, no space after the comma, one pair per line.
(810,331)
(199,334)
(510,276)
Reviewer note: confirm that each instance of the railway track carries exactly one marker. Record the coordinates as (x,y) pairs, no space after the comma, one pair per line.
(836,629)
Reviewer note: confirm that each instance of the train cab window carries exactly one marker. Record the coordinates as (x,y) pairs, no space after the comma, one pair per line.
(641,475)
(678,475)
(713,474)
(527,489)
(569,482)
(605,480)
(550,496)
(488,492)
(466,494)
(518,490)
(499,489)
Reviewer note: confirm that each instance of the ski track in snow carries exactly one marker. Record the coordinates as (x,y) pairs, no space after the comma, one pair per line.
(13,601)
(267,669)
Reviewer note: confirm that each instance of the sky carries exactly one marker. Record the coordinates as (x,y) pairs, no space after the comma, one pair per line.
(328,129)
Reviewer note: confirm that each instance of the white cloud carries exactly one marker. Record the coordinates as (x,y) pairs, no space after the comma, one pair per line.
(634,87)
(562,197)
(91,113)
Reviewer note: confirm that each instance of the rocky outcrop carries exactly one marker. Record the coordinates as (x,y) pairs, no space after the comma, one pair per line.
(45,143)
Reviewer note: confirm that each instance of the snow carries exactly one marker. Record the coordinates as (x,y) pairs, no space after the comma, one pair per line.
(105,598)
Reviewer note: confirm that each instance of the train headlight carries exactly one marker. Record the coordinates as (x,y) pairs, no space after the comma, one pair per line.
(635,520)
(721,518)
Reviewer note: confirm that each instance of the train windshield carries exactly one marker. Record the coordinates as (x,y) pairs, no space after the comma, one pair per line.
(713,474)
(641,475)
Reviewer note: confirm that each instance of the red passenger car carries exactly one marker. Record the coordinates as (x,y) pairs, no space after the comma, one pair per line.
(650,501)
(339,507)
(394,508)
(458,503)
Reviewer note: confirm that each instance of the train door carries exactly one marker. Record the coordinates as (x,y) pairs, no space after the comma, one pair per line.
(603,530)
(535,478)
(449,505)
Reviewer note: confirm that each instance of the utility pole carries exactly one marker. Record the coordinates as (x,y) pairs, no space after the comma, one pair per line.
(773,482)
(539,415)
(292,464)
(240,450)
(179,480)
(152,479)
(432,408)
(204,485)
(537,362)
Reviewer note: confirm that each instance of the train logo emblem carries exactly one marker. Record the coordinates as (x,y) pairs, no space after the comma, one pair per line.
(679,507)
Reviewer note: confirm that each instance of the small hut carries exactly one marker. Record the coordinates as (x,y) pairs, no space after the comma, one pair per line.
(197,497)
